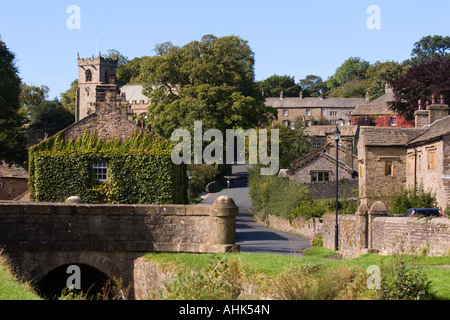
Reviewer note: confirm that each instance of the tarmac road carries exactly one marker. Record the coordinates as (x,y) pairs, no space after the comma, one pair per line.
(251,236)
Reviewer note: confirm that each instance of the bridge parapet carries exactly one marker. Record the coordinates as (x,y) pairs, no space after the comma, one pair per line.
(126,228)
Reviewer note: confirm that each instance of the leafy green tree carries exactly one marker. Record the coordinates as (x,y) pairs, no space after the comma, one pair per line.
(31,96)
(50,115)
(312,85)
(211,80)
(69,98)
(353,69)
(12,142)
(430,47)
(129,72)
(379,73)
(273,85)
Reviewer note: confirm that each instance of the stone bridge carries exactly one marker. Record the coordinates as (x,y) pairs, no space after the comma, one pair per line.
(42,239)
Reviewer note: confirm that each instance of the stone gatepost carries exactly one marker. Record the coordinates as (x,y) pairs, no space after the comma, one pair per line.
(223,222)
(362,228)
(377,209)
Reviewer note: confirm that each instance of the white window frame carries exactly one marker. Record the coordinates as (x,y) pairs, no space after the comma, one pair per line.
(100,171)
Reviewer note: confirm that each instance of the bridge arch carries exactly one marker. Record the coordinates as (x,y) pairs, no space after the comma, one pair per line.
(92,282)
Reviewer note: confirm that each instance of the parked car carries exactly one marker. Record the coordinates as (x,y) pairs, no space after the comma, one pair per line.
(423,212)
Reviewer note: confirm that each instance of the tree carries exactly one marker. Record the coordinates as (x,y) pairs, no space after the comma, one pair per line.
(353,69)
(430,47)
(273,85)
(312,85)
(69,98)
(420,83)
(129,72)
(381,72)
(31,96)
(211,80)
(50,115)
(12,142)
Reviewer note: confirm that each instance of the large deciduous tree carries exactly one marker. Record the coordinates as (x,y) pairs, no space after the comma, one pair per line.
(211,80)
(12,142)
(273,85)
(420,83)
(430,47)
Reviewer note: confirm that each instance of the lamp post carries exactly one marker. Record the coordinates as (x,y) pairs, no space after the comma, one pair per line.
(190,178)
(337,137)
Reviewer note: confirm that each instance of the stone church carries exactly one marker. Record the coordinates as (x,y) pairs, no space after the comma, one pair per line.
(95,77)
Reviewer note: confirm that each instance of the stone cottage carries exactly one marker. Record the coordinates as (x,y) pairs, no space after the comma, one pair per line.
(13,181)
(394,158)
(317,169)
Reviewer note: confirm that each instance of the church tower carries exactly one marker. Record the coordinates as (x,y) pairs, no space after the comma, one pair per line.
(94,75)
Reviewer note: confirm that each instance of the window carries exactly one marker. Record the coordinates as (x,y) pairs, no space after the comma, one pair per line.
(308,112)
(388,168)
(308,123)
(88,75)
(292,125)
(320,176)
(431,159)
(285,113)
(333,113)
(100,171)
(392,122)
(285,123)
(316,145)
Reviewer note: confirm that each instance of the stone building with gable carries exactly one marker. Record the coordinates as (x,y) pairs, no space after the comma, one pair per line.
(392,158)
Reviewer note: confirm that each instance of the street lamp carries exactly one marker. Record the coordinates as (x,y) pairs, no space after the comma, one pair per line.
(337,137)
(190,178)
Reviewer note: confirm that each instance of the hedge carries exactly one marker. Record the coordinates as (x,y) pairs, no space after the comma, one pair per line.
(140,170)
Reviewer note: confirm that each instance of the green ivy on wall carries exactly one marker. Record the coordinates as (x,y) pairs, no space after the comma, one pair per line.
(140,171)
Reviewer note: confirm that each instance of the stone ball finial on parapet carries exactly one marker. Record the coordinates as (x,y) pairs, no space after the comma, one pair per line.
(74,199)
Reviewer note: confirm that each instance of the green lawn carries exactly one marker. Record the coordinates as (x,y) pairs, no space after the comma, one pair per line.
(11,288)
(270,265)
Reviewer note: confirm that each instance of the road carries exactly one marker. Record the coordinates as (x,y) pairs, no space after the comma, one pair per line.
(251,236)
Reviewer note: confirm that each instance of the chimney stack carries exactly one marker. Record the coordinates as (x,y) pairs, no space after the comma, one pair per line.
(421,116)
(282,95)
(301,95)
(367,96)
(321,94)
(437,110)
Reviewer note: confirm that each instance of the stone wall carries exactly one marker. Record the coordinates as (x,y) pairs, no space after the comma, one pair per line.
(60,226)
(372,231)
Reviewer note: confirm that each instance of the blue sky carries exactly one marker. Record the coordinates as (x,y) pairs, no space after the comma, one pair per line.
(288,37)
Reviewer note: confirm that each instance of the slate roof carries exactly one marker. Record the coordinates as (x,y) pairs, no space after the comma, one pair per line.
(320,152)
(293,102)
(12,172)
(134,92)
(321,131)
(434,131)
(378,106)
(388,136)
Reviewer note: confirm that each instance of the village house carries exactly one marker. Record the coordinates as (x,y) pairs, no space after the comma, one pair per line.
(13,181)
(317,169)
(394,158)
(314,111)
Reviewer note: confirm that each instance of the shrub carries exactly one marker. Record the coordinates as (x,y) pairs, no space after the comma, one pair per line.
(410,198)
(308,210)
(400,282)
(316,282)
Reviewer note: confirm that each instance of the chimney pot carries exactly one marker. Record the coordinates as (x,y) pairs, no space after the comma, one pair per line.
(282,95)
(420,105)
(321,94)
(427,104)
(442,99)
(301,95)
(433,99)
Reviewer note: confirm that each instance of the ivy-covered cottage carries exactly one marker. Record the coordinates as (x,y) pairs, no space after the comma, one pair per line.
(106,158)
